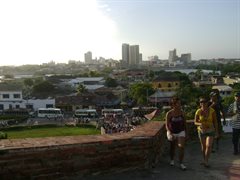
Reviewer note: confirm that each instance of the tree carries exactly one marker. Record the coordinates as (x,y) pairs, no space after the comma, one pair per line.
(94,74)
(236,87)
(28,85)
(43,88)
(81,89)
(110,82)
(8,76)
(198,74)
(28,82)
(139,92)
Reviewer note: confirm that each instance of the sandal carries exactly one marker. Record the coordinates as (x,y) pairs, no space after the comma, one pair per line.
(183,167)
(206,165)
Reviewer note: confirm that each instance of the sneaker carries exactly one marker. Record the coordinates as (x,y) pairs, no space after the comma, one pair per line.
(172,162)
(183,167)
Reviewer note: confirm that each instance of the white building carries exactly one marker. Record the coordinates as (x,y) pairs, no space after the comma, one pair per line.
(224,90)
(12,99)
(134,55)
(91,83)
(88,57)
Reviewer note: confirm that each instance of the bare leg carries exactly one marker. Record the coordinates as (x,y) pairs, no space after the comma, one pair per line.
(209,141)
(181,145)
(203,146)
(172,149)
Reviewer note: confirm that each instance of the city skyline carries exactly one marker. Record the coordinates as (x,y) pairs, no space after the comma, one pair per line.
(36,32)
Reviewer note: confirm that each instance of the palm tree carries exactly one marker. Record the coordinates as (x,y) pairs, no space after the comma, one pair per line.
(81,89)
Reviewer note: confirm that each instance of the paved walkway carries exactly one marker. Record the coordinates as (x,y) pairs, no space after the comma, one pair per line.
(224,166)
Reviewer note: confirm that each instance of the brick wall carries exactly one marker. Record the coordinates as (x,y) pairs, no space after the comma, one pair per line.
(77,156)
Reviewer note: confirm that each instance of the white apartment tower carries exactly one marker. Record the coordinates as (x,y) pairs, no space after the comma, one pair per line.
(88,57)
(134,55)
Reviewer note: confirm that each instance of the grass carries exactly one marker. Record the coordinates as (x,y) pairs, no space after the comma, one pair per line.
(49,131)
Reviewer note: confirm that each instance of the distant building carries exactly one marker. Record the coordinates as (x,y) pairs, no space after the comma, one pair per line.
(172,56)
(125,53)
(90,83)
(130,55)
(186,58)
(11,98)
(134,55)
(153,58)
(88,57)
(132,75)
(224,90)
(217,79)
(87,100)
(166,83)
(140,57)
(231,79)
(161,98)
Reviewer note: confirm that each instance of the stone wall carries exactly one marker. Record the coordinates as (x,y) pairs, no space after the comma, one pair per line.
(77,156)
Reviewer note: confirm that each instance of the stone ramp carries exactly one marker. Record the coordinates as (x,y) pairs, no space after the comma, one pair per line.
(224,166)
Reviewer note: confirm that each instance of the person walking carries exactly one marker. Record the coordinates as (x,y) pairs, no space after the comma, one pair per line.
(215,103)
(176,130)
(234,111)
(206,122)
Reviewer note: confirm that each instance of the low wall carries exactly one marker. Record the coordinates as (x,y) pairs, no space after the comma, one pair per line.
(76,156)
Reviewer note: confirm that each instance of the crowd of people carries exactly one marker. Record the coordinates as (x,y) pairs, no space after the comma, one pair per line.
(117,124)
(207,119)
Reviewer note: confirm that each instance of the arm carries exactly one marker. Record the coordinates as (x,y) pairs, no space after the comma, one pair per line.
(212,104)
(185,126)
(196,120)
(167,121)
(215,124)
(222,114)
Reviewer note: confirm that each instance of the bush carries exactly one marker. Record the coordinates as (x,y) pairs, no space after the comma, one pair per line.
(3,135)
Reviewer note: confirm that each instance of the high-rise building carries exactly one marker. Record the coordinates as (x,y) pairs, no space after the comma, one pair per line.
(186,58)
(134,55)
(140,57)
(172,56)
(125,53)
(88,57)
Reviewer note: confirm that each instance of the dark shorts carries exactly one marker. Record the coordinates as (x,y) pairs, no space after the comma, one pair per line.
(211,134)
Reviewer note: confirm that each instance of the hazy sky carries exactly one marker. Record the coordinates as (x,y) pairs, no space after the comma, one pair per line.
(39,31)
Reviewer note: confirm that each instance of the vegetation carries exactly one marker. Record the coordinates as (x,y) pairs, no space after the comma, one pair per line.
(49,131)
(19,118)
(8,76)
(81,89)
(110,82)
(139,92)
(224,68)
(3,135)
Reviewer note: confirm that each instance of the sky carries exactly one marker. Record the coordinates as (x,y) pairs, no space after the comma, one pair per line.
(40,31)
